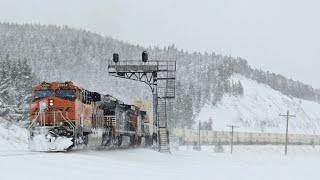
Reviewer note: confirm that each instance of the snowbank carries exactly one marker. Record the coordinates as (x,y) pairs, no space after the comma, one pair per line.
(12,137)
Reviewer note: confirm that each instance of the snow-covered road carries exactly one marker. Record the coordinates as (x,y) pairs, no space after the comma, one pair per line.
(247,162)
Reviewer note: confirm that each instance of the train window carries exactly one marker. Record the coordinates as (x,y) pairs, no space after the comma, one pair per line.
(67,94)
(40,94)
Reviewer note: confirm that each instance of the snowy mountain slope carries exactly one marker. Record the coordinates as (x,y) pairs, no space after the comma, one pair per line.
(12,137)
(259,108)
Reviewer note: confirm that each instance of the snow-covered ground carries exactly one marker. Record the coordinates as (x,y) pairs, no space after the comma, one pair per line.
(247,162)
(258,111)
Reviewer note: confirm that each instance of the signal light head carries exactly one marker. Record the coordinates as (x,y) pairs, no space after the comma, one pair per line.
(115,57)
(144,56)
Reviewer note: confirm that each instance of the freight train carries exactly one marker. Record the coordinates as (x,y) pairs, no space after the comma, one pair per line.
(64,116)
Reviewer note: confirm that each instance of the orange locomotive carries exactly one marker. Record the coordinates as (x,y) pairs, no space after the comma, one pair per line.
(64,116)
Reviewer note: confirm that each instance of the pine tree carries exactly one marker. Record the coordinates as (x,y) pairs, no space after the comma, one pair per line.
(15,89)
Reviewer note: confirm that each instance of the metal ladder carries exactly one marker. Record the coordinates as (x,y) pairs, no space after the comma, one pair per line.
(170,89)
(166,92)
(162,126)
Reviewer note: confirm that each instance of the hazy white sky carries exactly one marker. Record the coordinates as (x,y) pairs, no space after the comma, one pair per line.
(282,36)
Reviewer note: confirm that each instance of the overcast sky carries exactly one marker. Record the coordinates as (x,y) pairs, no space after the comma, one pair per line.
(282,36)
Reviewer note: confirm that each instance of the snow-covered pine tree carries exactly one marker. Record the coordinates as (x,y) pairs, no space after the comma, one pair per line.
(16,83)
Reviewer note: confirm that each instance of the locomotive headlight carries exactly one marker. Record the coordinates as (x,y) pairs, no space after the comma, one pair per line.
(43,105)
(51,102)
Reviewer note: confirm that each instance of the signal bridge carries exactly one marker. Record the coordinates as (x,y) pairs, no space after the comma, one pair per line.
(160,76)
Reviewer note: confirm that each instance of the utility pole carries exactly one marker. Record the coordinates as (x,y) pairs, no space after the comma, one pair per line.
(199,141)
(287,117)
(232,128)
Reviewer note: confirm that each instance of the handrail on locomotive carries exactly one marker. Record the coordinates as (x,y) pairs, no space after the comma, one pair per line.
(42,122)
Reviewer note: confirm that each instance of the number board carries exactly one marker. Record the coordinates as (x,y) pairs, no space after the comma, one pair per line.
(62,85)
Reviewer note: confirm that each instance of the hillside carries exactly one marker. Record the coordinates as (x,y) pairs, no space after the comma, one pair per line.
(259,108)
(65,54)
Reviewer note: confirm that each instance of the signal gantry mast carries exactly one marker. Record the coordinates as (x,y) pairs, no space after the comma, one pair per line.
(160,75)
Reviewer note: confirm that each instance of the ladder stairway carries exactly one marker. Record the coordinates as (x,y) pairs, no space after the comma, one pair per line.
(170,85)
(167,79)
(164,140)
(170,90)
(163,132)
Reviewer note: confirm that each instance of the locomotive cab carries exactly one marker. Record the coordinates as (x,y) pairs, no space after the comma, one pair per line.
(54,104)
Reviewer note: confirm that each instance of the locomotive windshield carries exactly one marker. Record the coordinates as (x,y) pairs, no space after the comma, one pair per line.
(67,94)
(40,94)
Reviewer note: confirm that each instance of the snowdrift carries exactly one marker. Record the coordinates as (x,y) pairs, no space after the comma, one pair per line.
(12,137)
